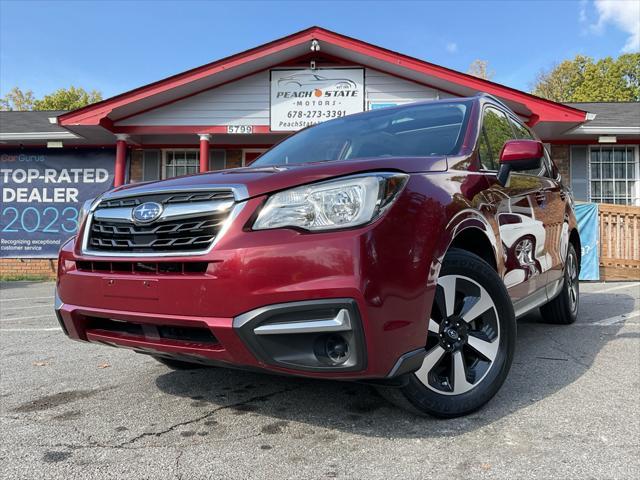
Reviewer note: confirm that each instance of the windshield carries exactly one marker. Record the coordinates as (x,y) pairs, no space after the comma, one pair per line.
(414,131)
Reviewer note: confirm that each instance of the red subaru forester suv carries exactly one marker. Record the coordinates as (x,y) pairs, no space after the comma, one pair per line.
(397,246)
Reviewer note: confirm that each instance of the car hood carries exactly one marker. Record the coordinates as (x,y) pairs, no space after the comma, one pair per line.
(254,181)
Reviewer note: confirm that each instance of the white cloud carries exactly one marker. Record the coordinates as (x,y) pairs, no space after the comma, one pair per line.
(583,11)
(624,14)
(452,47)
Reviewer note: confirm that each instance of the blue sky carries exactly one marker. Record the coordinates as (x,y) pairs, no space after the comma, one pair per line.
(114,46)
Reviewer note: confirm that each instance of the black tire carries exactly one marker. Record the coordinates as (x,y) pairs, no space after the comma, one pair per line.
(563,309)
(497,325)
(178,364)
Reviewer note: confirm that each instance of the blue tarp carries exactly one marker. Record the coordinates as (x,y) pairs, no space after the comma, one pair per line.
(587,215)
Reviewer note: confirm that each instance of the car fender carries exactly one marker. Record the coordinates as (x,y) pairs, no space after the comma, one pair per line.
(462,221)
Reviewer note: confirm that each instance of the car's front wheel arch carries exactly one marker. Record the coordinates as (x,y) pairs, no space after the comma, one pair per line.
(474,240)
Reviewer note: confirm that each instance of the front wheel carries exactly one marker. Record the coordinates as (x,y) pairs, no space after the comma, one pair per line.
(470,342)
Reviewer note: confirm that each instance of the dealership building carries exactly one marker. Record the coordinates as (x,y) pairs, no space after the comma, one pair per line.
(226,113)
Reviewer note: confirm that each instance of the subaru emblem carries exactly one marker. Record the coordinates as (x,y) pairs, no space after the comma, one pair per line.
(147,212)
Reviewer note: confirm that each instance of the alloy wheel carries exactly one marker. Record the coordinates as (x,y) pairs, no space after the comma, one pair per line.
(463,338)
(524,252)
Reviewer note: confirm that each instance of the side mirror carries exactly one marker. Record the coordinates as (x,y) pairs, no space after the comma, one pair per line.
(518,155)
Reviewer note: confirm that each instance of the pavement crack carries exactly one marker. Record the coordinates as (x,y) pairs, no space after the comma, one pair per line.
(177,465)
(202,417)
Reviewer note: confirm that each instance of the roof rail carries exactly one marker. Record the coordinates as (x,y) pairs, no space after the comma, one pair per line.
(494,98)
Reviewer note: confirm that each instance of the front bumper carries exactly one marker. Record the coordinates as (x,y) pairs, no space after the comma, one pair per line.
(211,314)
(286,338)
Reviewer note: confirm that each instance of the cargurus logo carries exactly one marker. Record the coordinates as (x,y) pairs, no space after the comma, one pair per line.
(22,157)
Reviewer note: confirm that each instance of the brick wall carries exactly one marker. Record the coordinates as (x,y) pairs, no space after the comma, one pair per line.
(135,167)
(17,268)
(560,155)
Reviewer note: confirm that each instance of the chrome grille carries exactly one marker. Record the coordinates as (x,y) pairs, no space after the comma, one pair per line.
(180,197)
(189,223)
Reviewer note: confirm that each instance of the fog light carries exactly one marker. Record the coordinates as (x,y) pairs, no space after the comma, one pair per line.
(337,349)
(315,335)
(332,349)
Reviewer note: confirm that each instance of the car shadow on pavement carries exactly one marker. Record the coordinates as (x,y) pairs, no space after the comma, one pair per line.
(548,358)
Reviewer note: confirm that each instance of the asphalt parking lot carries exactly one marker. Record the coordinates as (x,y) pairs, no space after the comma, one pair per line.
(569,409)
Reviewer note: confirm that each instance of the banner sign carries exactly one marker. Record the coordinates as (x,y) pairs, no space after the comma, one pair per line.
(304,97)
(587,216)
(42,193)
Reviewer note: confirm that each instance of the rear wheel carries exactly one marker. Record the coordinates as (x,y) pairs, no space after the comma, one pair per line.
(563,309)
(178,364)
(470,342)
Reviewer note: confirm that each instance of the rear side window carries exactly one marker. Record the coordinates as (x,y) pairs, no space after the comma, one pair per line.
(497,130)
(547,168)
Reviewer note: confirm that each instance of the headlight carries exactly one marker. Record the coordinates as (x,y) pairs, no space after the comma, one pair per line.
(343,203)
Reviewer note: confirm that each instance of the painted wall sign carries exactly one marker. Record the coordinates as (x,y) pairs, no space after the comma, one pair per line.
(42,193)
(304,97)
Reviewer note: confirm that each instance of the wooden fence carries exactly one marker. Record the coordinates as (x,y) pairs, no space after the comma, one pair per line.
(619,242)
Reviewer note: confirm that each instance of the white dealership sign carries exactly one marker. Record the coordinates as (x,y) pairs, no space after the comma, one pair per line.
(303,97)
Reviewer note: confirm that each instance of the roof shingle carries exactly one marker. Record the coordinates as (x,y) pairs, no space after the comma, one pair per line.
(29,122)
(611,114)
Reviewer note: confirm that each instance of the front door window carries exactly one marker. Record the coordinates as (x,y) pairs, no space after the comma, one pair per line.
(497,129)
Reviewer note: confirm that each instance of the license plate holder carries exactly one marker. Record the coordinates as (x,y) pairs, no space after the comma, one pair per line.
(131,288)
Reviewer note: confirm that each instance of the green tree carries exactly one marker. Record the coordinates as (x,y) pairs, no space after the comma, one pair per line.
(559,83)
(16,99)
(62,99)
(480,69)
(585,80)
(67,99)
